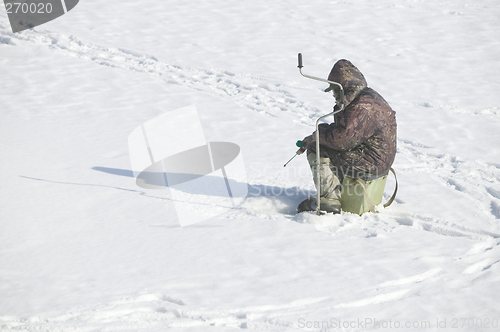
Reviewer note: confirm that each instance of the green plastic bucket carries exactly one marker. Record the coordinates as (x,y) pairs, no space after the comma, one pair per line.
(359,196)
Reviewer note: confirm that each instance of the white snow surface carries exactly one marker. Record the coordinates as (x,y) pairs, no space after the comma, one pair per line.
(82,249)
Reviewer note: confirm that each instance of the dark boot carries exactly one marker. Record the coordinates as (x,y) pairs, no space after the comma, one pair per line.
(306,205)
(309,204)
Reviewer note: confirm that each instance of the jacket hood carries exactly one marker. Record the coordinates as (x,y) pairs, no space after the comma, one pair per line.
(351,79)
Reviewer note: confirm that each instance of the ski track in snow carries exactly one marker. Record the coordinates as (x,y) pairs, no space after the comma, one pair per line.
(146,311)
(475,179)
(377,299)
(153,311)
(249,91)
(160,310)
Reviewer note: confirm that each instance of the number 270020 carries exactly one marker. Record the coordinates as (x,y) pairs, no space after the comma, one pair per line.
(28,8)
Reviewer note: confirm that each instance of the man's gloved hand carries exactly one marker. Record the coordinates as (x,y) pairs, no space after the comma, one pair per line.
(307,142)
(310,141)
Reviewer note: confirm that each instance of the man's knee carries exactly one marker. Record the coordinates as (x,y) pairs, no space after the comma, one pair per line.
(312,159)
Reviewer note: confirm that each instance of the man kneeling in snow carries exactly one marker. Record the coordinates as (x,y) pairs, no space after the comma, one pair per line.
(360,144)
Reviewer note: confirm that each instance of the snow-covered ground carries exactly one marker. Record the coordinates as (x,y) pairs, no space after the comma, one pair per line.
(83,248)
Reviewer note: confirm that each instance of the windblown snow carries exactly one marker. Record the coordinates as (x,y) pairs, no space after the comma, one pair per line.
(83,248)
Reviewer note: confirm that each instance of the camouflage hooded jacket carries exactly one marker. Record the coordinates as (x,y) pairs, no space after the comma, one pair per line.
(362,140)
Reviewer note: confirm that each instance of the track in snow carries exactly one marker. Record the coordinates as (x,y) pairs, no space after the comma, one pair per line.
(251,92)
